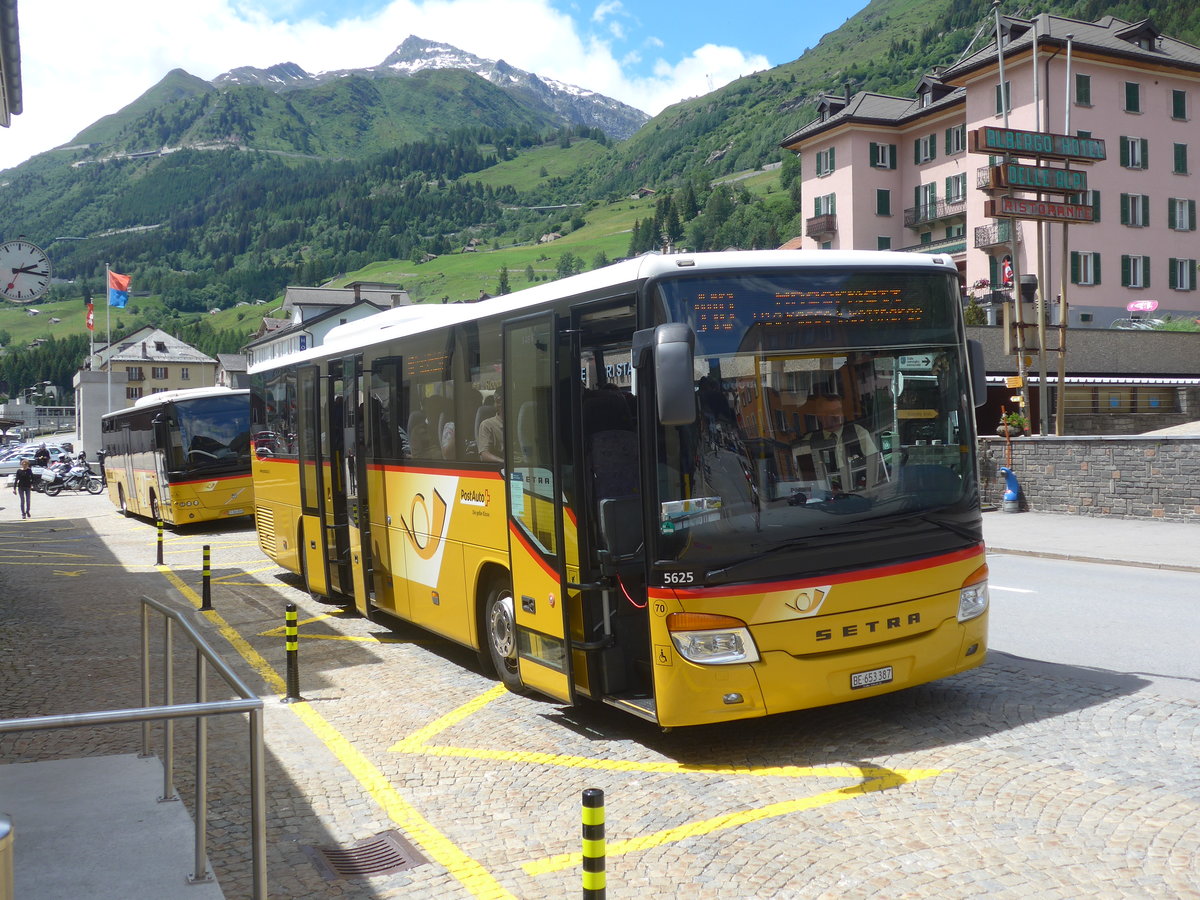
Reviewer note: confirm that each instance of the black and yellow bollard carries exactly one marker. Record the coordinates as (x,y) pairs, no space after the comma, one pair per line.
(593,844)
(206,582)
(159,558)
(292,644)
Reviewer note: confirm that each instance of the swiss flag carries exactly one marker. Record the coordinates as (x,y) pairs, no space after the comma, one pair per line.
(91,318)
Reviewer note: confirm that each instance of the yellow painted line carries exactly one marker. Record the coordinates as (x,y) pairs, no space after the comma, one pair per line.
(278,632)
(466,870)
(732,820)
(871,779)
(68,574)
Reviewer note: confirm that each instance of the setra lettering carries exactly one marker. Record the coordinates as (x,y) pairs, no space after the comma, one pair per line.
(871,626)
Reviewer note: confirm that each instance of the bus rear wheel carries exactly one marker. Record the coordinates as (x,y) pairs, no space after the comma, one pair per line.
(500,633)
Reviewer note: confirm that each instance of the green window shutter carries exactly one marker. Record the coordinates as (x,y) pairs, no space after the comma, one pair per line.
(1095,268)
(1145,271)
(1145,153)
(949,149)
(1172,275)
(1133,96)
(874,155)
(1191,267)
(816,206)
(891,160)
(933,146)
(917,151)
(832,164)
(833,204)
(1096,205)
(1124,209)
(1191,207)
(883,202)
(993,269)
(1172,218)
(1074,267)
(1145,209)
(1125,151)
(1125,266)
(1180,159)
(1178,104)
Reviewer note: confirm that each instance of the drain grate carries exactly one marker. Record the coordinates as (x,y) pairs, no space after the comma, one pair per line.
(379,855)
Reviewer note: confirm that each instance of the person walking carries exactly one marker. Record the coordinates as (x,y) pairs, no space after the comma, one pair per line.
(23,487)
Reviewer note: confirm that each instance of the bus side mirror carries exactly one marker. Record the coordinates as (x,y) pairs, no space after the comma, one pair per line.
(978,372)
(671,347)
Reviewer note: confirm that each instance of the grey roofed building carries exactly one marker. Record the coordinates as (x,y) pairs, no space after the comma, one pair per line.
(231,370)
(303,303)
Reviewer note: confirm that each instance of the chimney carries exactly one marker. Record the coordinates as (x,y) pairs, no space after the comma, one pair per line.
(145,352)
(846,89)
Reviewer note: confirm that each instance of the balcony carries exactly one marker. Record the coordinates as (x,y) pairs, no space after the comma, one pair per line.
(939,210)
(820,226)
(994,235)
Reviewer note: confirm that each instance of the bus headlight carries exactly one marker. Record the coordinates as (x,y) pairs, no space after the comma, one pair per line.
(711,640)
(972,601)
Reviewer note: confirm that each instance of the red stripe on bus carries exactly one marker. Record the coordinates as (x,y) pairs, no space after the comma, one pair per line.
(533,553)
(737,590)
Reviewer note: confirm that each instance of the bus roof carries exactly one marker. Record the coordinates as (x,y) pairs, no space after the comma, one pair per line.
(180,394)
(421,317)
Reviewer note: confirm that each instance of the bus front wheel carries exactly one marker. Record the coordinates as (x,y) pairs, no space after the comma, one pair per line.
(500,631)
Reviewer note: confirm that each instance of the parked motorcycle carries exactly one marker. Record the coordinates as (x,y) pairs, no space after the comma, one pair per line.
(71,478)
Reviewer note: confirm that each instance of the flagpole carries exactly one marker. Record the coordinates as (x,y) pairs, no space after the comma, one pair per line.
(108,325)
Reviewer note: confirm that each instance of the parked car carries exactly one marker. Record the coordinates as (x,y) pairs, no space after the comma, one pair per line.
(11,461)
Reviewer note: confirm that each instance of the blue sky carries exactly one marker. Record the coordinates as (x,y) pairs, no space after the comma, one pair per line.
(82,60)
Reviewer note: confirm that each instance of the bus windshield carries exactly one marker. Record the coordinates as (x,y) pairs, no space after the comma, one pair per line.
(833,414)
(210,434)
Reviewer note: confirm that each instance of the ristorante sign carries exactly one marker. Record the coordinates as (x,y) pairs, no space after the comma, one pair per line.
(1037,144)
(1048,210)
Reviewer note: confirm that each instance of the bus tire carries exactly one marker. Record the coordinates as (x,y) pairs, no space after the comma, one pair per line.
(500,635)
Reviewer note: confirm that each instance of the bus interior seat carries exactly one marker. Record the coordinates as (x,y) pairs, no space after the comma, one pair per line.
(486,411)
(621,525)
(526,433)
(611,443)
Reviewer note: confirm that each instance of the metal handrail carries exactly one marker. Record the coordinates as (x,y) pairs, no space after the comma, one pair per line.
(169,711)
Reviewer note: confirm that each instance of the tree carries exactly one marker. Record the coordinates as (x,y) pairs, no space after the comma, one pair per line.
(529,272)
(502,288)
(600,260)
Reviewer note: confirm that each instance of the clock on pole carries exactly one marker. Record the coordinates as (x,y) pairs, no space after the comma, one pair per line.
(24,271)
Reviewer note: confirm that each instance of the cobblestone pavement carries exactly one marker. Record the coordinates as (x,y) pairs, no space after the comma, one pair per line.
(1014,780)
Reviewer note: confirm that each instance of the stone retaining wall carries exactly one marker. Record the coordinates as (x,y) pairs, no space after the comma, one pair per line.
(1132,476)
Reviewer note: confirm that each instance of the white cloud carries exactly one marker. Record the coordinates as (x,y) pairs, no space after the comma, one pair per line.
(82,60)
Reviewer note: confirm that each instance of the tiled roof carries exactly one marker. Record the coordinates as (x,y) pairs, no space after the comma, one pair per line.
(146,349)
(883,109)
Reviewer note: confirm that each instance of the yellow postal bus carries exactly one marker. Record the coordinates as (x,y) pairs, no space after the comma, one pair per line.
(700,487)
(181,456)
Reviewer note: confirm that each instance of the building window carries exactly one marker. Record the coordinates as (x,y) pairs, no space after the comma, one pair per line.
(826,245)
(1088,198)
(926,197)
(1135,210)
(883,202)
(132,393)
(1181,274)
(926,237)
(1135,271)
(160,346)
(1179,105)
(1179,154)
(956,139)
(158,373)
(1083,90)
(956,231)
(1085,268)
(956,188)
(925,149)
(1007,102)
(134,373)
(883,156)
(824,162)
(183,374)
(158,390)
(825,205)
(883,243)
(1135,152)
(1181,214)
(1133,97)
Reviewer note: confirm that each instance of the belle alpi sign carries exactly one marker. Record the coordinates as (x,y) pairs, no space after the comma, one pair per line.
(1017,177)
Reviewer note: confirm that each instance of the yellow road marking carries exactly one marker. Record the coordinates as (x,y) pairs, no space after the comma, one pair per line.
(468,871)
(872,779)
(68,574)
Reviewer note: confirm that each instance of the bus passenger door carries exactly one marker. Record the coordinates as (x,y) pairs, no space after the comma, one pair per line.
(354,477)
(535,528)
(333,433)
(315,560)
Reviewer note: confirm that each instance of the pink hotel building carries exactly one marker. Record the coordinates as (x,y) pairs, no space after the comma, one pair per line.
(898,173)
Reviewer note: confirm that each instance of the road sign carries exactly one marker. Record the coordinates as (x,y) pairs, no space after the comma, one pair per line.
(1047,210)
(1039,178)
(1014,381)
